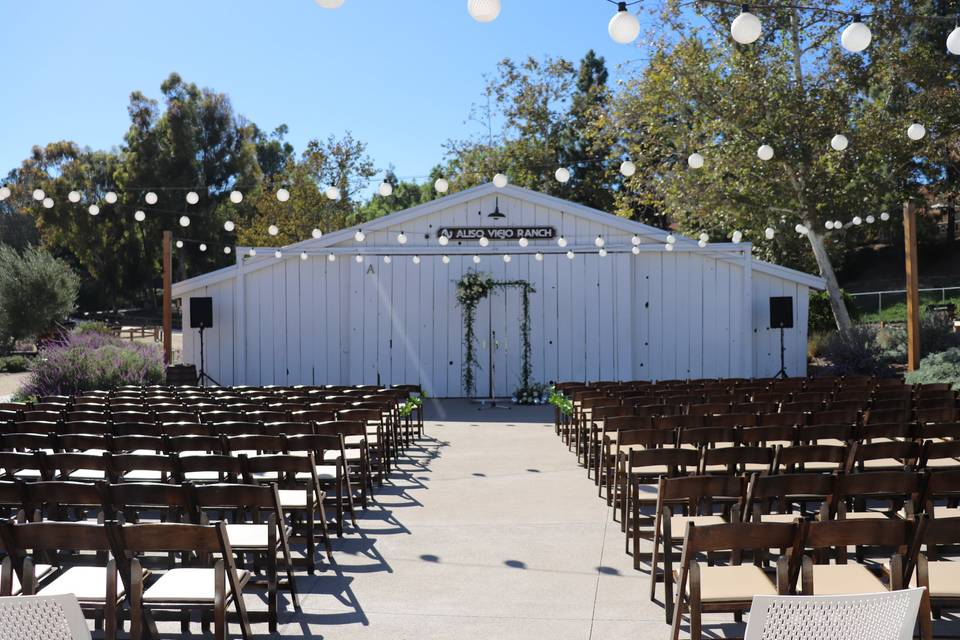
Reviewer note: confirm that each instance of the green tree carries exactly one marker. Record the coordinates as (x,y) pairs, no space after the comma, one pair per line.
(37,291)
(405,195)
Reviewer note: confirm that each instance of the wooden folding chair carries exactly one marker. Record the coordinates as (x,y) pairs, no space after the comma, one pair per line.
(784,498)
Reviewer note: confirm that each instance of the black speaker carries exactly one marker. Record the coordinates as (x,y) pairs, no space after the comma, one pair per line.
(201,313)
(781,312)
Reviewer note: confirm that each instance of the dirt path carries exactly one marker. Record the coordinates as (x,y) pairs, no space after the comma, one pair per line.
(10,383)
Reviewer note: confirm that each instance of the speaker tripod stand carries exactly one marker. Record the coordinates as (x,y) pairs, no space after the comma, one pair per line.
(783,352)
(202,376)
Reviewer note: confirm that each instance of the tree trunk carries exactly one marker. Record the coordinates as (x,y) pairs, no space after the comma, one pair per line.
(840,313)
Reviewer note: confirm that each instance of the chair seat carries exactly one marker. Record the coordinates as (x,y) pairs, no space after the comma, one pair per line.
(40,571)
(841,579)
(143,475)
(651,470)
(187,585)
(202,476)
(780,517)
(353,455)
(865,515)
(943,463)
(250,536)
(646,493)
(86,583)
(87,474)
(944,579)
(946,512)
(293,498)
(678,524)
(890,464)
(353,441)
(324,472)
(733,583)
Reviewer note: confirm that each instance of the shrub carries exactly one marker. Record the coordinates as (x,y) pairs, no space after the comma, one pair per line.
(92,326)
(860,354)
(820,316)
(936,334)
(14,364)
(817,344)
(938,367)
(36,292)
(86,361)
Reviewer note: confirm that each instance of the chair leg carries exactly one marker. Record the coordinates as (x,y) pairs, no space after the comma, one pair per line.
(220,602)
(326,532)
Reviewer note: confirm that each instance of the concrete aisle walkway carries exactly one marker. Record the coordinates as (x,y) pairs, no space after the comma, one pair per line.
(488,529)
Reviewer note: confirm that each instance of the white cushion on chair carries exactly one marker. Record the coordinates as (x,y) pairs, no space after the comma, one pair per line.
(87,583)
(647,493)
(143,475)
(293,498)
(353,455)
(324,472)
(353,441)
(186,584)
(249,536)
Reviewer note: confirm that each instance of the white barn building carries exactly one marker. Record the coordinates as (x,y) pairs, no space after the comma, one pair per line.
(647,313)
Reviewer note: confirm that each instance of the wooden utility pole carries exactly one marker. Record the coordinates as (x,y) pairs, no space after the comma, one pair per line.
(167,297)
(913,286)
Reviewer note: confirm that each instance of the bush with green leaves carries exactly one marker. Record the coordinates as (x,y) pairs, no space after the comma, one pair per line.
(37,291)
(938,367)
(14,364)
(936,334)
(859,354)
(820,315)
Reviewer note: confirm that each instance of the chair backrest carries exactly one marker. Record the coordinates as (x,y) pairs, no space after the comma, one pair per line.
(51,497)
(889,615)
(695,491)
(732,420)
(735,459)
(43,617)
(765,491)
(765,434)
(173,499)
(839,534)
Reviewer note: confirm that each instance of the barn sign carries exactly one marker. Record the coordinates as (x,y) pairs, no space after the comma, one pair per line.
(497,233)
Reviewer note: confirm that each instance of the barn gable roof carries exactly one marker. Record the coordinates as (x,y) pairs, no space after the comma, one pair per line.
(434,206)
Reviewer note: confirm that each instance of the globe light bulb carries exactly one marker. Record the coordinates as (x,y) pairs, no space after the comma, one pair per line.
(599,241)
(316,234)
(179,244)
(385,189)
(283,195)
(624,27)
(278,254)
(402,238)
(359,236)
(916,131)
(110,197)
(329,4)
(737,237)
(236,197)
(203,247)
(5,193)
(358,259)
(953,41)
(416,259)
(184,221)
(483,10)
(668,247)
(387,260)
(74,196)
(445,259)
(523,242)
(701,243)
(484,241)
(139,216)
(695,161)
(273,230)
(443,240)
(627,168)
(332,193)
(252,252)
(635,240)
(870,219)
(331,258)
(441,185)
(635,251)
(704,237)
(839,142)
(856,37)
(857,220)
(828,224)
(500,181)
(765,152)
(476,259)
(802,230)
(602,253)
(768,233)
(150,198)
(506,257)
(671,239)
(39,195)
(227,250)
(48,203)
(303,255)
(561,242)
(837,224)
(193,197)
(570,255)
(538,256)
(745,28)
(562,175)
(884,216)
(229,226)
(93,210)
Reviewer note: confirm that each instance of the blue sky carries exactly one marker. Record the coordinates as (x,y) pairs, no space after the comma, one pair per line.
(400,74)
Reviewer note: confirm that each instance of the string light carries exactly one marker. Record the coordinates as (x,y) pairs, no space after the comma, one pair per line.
(856,37)
(870,219)
(202,247)
(110,197)
(476,259)
(402,238)
(839,142)
(278,254)
(331,258)
(570,255)
(445,259)
(193,197)
(283,195)
(385,189)
(627,168)
(441,185)
(48,203)
(635,250)
(139,216)
(4,193)
(561,242)
(916,131)
(523,242)
(443,240)
(273,230)
(386,259)
(669,247)
(39,195)
(235,197)
(227,250)
(229,226)
(252,252)
(737,237)
(416,259)
(332,193)
(184,221)
(506,257)
(704,237)
(317,234)
(746,28)
(765,152)
(538,256)
(884,216)
(671,239)
(695,161)
(358,259)
(359,236)
(74,196)
(857,220)
(953,41)
(603,253)
(562,175)
(700,243)
(598,242)
(635,240)
(303,255)
(179,244)
(483,10)
(624,27)
(484,241)
(93,210)
(150,198)
(837,224)
(500,181)
(828,224)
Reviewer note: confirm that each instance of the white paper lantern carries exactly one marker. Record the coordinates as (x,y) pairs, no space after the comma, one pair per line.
(884,216)
(385,189)
(701,243)
(416,259)
(445,259)
(179,244)
(523,242)
(506,257)
(387,260)
(5,193)
(252,252)
(602,253)
(837,225)
(856,37)
(203,247)
(500,181)
(110,197)
(484,241)
(332,193)
(953,41)
(839,142)
(668,247)
(624,27)
(184,221)
(227,250)
(329,4)
(443,240)
(695,161)
(359,236)
(765,152)
(916,131)
(150,198)
(331,258)
(193,197)
(93,210)
(635,250)
(737,237)
(857,220)
(828,224)
(139,216)
(73,196)
(599,241)
(39,195)
(627,168)
(671,239)
(561,242)
(303,255)
(278,254)
(562,175)
(441,185)
(358,259)
(538,256)
(229,226)
(236,197)
(316,234)
(48,203)
(483,10)
(476,259)
(570,255)
(283,195)
(635,240)
(273,230)
(870,219)
(768,233)
(746,28)
(402,238)
(703,237)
